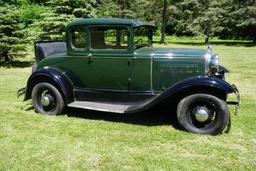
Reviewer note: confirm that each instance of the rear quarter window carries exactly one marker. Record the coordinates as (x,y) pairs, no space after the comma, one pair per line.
(78,38)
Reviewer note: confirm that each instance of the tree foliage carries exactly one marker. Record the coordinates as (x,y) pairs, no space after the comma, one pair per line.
(46,19)
(242,16)
(78,8)
(12,35)
(52,26)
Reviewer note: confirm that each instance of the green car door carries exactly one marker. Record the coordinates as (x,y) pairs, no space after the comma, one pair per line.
(107,71)
(107,65)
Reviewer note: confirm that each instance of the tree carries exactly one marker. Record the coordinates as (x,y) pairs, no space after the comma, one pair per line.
(12,35)
(199,17)
(243,18)
(108,8)
(208,22)
(116,8)
(164,19)
(52,26)
(30,13)
(78,8)
(10,2)
(182,14)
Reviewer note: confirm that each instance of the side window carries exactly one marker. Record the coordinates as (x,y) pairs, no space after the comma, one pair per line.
(78,38)
(109,38)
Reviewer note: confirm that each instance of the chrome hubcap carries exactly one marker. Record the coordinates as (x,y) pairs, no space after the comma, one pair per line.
(46,100)
(201,114)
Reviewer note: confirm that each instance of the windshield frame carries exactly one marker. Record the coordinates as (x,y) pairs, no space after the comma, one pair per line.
(150,31)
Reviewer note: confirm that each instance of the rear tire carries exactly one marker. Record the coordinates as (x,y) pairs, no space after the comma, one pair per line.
(47,99)
(203,114)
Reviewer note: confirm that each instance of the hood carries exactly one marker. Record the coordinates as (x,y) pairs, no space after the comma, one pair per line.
(170,52)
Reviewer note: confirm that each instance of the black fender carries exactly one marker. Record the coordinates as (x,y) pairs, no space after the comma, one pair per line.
(197,84)
(216,86)
(53,76)
(223,69)
(194,83)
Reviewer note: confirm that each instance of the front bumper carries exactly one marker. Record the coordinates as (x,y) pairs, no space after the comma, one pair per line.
(221,75)
(236,103)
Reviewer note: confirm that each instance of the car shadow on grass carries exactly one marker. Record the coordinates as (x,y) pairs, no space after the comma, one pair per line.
(156,116)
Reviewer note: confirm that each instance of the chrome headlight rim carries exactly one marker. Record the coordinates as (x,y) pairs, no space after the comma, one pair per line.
(214,61)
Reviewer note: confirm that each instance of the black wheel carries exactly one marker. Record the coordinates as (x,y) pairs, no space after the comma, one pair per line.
(203,114)
(47,99)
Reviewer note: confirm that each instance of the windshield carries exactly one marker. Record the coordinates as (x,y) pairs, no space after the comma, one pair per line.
(142,36)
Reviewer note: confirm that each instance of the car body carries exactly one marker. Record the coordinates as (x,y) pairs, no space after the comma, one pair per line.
(109,64)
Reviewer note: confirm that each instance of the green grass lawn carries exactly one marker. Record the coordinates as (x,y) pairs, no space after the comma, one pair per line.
(147,141)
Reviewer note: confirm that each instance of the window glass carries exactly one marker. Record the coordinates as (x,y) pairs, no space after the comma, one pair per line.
(109,38)
(78,38)
(142,36)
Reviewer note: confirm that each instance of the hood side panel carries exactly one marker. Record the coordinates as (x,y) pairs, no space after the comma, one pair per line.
(168,71)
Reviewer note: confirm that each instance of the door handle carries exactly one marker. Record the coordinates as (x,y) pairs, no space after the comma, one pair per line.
(89,58)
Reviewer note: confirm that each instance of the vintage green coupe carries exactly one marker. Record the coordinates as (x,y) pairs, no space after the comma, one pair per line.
(109,64)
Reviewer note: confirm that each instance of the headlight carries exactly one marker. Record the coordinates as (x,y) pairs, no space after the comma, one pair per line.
(214,61)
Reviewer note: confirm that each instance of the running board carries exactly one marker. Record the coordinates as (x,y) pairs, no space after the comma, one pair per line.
(130,107)
(100,106)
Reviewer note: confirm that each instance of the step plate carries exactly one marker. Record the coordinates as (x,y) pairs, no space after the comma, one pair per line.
(100,106)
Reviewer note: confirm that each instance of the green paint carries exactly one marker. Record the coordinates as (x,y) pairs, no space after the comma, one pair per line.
(143,69)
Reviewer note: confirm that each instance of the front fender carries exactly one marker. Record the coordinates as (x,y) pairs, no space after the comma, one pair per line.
(201,82)
(188,86)
(53,76)
(197,84)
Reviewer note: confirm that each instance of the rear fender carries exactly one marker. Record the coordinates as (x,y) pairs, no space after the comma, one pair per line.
(53,76)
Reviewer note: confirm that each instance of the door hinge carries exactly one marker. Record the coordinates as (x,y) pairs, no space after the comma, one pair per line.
(89,58)
(129,61)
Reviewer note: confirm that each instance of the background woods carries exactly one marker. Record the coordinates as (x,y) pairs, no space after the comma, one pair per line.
(90,140)
(24,21)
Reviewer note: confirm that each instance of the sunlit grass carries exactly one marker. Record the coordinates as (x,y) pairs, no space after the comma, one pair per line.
(29,141)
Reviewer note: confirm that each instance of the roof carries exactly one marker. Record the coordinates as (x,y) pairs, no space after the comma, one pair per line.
(110,21)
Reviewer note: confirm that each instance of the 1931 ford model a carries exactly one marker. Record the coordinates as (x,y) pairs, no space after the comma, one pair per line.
(109,64)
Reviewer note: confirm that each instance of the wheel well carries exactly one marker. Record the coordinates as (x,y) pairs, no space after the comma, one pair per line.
(40,79)
(198,89)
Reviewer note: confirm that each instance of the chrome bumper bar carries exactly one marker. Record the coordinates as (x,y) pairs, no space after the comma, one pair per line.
(236,103)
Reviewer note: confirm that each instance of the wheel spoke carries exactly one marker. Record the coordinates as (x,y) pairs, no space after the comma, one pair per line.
(202,114)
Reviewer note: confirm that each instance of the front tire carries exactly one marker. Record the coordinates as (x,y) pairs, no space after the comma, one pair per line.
(47,99)
(203,114)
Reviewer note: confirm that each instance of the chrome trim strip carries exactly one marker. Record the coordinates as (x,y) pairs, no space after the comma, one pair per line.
(114,91)
(151,73)
(207,59)
(178,57)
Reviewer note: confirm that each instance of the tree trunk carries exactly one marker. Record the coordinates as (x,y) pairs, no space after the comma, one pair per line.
(122,3)
(206,40)
(164,23)
(6,58)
